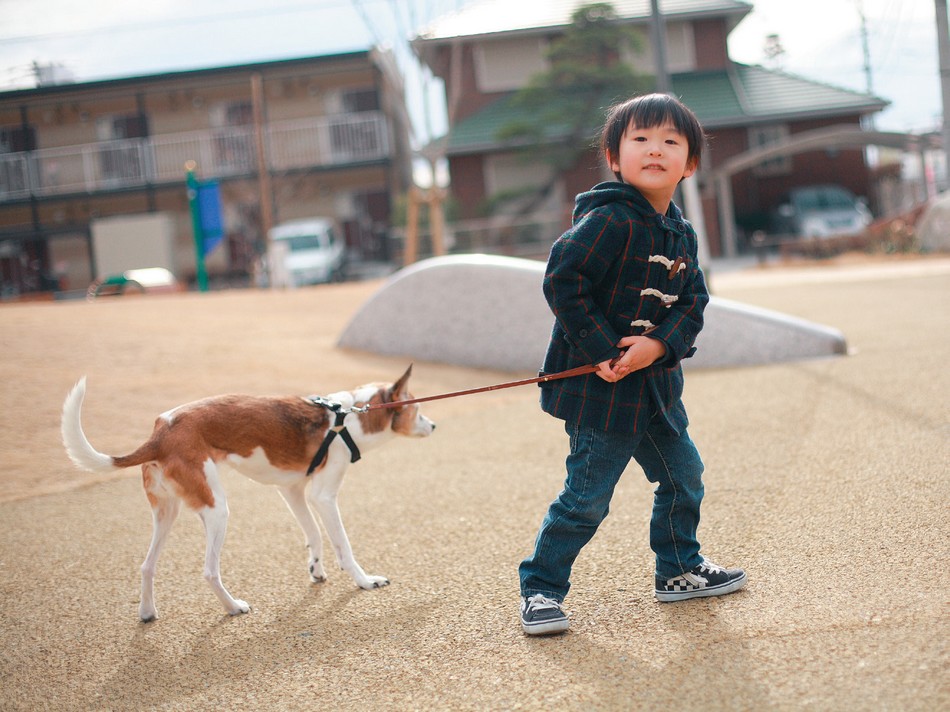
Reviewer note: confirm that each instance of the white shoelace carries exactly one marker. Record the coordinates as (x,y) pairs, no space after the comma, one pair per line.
(711,567)
(541,603)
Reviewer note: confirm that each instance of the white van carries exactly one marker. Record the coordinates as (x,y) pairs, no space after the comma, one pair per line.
(307,251)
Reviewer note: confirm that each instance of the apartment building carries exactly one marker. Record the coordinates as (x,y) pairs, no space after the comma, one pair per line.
(489,50)
(314,136)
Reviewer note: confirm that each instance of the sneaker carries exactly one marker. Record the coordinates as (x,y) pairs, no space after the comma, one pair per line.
(707,579)
(541,615)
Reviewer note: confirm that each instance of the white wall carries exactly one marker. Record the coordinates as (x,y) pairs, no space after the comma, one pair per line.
(132,242)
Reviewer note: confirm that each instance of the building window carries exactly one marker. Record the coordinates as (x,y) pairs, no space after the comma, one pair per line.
(14,139)
(14,174)
(761,136)
(356,140)
(505,65)
(120,147)
(232,137)
(360,100)
(680,50)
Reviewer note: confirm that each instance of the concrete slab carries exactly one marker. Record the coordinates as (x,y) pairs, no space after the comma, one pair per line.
(487,311)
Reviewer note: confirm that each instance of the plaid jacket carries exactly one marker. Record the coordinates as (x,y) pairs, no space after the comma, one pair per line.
(622,269)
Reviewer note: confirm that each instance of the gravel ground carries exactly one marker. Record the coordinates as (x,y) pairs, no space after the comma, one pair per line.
(827,480)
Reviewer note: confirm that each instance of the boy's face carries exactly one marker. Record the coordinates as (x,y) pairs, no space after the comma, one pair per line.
(653,160)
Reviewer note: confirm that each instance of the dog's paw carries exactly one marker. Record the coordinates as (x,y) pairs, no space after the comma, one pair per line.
(239,607)
(317,574)
(372,582)
(147,615)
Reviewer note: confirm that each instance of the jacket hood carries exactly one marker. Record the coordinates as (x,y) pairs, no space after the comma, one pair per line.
(614,192)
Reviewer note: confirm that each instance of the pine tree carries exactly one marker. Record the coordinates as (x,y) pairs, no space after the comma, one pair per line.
(562,108)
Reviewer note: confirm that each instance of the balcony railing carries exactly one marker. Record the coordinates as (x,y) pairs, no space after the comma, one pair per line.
(220,153)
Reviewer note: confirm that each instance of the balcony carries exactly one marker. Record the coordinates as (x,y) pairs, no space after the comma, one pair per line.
(325,142)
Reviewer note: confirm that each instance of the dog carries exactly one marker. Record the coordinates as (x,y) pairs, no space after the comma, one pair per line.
(287,442)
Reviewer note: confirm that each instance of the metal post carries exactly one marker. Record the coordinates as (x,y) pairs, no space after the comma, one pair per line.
(658,37)
(263,168)
(191,181)
(943,54)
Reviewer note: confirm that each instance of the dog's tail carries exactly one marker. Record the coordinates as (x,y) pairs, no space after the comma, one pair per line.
(80,451)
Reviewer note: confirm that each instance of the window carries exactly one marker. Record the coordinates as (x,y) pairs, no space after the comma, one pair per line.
(680,50)
(233,138)
(120,151)
(14,177)
(355,138)
(504,65)
(360,100)
(14,139)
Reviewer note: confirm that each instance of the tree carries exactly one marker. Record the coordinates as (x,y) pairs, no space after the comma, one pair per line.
(561,109)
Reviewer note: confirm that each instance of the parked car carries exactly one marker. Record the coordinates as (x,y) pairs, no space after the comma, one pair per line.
(820,211)
(307,251)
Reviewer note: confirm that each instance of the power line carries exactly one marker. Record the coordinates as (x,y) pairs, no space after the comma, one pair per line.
(177,22)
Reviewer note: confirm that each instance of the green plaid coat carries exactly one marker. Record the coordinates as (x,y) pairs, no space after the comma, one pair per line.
(622,269)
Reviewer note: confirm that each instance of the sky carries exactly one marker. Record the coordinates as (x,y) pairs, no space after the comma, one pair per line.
(99,39)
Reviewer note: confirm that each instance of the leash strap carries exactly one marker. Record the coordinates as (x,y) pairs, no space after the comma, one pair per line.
(340,414)
(338,428)
(541,378)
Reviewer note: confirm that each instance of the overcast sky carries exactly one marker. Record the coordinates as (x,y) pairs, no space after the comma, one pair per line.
(99,39)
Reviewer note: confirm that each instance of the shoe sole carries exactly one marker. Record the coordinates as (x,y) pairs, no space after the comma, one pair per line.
(720,590)
(549,628)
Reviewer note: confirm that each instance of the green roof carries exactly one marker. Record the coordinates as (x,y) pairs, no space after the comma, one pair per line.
(740,95)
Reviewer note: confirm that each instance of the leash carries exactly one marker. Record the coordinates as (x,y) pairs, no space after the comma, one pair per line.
(340,413)
(544,378)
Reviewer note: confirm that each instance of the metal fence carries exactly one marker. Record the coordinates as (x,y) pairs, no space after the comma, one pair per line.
(221,153)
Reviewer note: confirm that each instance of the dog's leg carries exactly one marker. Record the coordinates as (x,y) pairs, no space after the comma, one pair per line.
(215,520)
(323,494)
(165,508)
(296,500)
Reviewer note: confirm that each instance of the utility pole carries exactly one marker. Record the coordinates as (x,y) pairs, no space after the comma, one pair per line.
(943,53)
(866,50)
(265,191)
(658,37)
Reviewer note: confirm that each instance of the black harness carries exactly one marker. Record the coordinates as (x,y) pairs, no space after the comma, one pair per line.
(338,428)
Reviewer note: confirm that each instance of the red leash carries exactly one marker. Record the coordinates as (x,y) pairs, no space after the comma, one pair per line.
(579,371)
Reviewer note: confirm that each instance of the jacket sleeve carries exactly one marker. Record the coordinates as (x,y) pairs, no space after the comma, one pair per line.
(578,262)
(684,321)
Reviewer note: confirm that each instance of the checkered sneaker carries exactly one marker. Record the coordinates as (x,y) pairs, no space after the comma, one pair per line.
(541,615)
(707,579)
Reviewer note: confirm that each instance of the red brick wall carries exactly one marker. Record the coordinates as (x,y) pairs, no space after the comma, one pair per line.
(468,185)
(709,38)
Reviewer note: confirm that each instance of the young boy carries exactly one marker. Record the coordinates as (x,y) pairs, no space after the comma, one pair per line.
(628,295)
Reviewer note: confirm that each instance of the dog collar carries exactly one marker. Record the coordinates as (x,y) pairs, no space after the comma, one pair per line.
(338,428)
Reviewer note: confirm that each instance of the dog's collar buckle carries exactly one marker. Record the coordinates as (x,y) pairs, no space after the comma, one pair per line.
(338,428)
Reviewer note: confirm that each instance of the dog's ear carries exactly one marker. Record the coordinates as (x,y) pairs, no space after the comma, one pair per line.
(400,387)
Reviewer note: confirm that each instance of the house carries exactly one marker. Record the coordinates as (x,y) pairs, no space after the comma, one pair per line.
(314,136)
(489,49)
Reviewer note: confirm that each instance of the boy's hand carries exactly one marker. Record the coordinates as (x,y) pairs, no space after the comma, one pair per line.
(640,352)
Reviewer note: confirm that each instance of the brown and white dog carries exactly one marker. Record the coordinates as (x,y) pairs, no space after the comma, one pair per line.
(271,440)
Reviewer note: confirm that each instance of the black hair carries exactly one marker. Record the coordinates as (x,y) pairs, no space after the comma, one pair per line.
(648,111)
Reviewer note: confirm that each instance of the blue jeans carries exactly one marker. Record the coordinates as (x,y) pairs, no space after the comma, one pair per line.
(596,461)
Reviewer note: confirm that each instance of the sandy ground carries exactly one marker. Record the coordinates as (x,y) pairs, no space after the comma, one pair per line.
(827,480)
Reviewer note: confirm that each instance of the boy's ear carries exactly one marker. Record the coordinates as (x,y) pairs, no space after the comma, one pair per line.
(691,165)
(611,163)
